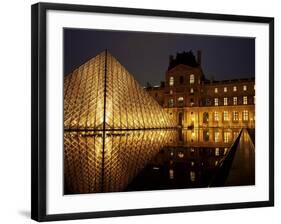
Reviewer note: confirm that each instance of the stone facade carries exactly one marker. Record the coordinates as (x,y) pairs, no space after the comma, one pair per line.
(195,101)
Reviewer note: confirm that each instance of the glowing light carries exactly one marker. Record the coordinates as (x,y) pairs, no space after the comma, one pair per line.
(192,176)
(171,173)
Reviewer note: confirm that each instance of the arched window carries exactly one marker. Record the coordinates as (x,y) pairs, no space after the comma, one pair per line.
(171,81)
(181,101)
(191,78)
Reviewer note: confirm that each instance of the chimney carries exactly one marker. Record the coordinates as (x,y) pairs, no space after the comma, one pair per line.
(171,61)
(199,54)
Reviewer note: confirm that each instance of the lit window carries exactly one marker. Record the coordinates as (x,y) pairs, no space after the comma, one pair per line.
(245,100)
(171,81)
(245,115)
(216,116)
(217,152)
(171,102)
(191,102)
(234,88)
(180,98)
(235,134)
(180,155)
(235,116)
(192,176)
(216,90)
(235,100)
(171,92)
(225,89)
(206,136)
(225,101)
(245,88)
(191,79)
(171,173)
(226,137)
(191,90)
(216,101)
(217,136)
(225,115)
(180,101)
(225,151)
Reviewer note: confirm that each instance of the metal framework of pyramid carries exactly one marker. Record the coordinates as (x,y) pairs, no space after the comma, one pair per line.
(108,122)
(103,94)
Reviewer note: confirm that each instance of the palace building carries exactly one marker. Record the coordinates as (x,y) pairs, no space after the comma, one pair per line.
(196,101)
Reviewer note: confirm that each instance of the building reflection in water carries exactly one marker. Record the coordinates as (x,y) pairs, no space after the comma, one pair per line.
(145,159)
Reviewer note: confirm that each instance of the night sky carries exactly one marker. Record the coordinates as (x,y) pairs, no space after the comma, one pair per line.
(146,55)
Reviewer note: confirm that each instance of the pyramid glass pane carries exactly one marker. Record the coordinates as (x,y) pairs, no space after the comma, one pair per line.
(84,95)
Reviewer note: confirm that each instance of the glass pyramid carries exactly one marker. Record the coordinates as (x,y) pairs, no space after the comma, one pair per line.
(112,127)
(102,94)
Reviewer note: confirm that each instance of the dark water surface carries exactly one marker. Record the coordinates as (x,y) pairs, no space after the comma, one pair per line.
(196,162)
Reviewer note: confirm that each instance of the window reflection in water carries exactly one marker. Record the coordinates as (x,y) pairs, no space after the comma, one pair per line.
(192,176)
(195,165)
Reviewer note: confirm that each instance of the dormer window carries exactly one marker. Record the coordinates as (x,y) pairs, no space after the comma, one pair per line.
(191,79)
(171,81)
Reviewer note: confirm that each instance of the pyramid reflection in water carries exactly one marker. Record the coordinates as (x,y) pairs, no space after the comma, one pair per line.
(101,97)
(90,167)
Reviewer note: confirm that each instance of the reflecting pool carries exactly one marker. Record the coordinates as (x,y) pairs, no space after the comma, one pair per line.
(136,160)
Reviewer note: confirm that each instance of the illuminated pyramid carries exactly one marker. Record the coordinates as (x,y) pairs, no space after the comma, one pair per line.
(102,94)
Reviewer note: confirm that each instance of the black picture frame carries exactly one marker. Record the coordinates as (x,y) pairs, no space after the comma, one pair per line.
(38,108)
